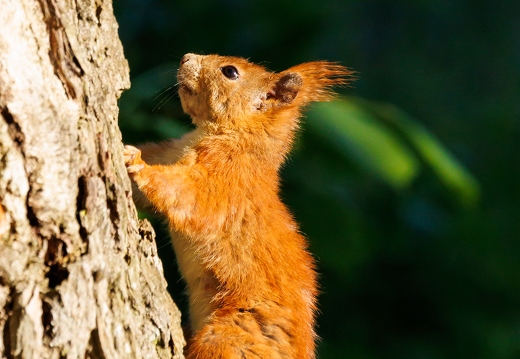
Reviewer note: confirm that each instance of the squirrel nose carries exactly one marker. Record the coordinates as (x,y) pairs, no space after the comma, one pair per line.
(187,58)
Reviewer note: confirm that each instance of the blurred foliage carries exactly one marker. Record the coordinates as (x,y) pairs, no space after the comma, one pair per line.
(408,192)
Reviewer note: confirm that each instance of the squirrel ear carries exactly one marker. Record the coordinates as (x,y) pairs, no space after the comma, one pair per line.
(319,78)
(286,88)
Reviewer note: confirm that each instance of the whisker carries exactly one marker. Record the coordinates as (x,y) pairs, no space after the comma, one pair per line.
(162,92)
(166,98)
(164,245)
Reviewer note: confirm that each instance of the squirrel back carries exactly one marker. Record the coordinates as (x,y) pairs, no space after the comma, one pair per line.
(250,279)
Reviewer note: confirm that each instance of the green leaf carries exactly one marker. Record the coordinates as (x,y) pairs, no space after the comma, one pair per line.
(386,141)
(360,135)
(450,171)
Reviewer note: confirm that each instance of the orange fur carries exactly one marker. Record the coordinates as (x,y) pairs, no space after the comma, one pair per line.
(250,280)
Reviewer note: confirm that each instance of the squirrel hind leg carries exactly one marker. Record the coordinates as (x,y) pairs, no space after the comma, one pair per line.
(235,337)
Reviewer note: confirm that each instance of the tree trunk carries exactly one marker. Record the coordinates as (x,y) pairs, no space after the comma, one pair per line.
(79,276)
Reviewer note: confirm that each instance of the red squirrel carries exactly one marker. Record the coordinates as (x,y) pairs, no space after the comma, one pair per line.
(250,280)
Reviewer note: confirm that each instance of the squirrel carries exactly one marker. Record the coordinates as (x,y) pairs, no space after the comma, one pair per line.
(251,282)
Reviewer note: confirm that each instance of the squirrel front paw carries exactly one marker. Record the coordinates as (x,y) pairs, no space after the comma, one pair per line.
(133,161)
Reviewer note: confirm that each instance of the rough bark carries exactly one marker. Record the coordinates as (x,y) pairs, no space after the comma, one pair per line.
(79,276)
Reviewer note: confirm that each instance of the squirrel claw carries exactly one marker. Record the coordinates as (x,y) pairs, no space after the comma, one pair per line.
(132,158)
(134,168)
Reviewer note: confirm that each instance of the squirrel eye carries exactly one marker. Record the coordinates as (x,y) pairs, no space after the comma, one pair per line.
(230,72)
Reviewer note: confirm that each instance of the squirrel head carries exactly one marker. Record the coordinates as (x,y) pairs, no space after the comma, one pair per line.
(233,94)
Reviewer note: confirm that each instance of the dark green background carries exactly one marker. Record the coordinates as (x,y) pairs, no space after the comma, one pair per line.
(422,267)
